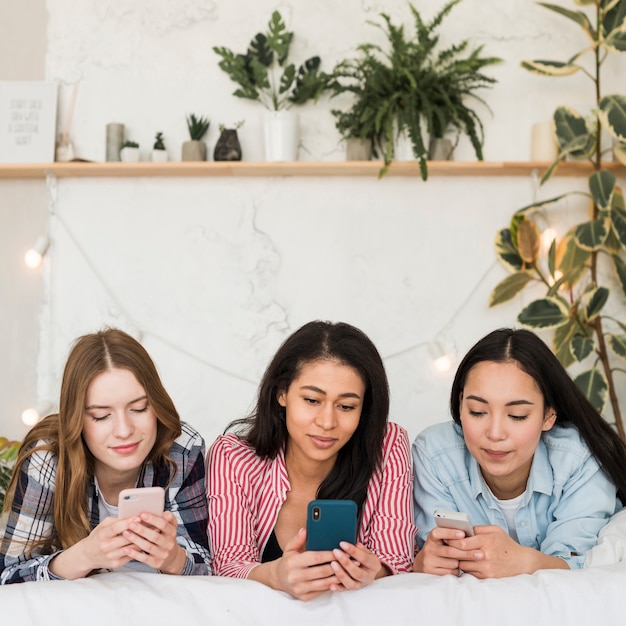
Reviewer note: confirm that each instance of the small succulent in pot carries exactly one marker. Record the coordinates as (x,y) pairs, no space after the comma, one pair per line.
(129,152)
(195,149)
(159,153)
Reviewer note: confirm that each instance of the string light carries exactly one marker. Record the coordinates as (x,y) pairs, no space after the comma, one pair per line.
(32,415)
(442,358)
(34,256)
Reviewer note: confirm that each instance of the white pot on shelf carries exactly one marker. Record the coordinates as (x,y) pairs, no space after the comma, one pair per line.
(159,156)
(129,155)
(281,135)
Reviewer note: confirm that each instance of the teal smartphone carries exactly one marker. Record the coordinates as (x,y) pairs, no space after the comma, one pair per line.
(329,522)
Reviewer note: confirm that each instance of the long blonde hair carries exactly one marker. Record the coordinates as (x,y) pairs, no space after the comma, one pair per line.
(61,433)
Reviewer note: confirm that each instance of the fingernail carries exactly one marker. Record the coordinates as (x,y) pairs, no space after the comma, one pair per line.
(338,553)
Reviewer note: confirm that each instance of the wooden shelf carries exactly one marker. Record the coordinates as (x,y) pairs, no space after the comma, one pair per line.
(81,169)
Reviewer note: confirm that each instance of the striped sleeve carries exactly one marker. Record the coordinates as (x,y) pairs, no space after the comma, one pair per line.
(388,528)
(240,518)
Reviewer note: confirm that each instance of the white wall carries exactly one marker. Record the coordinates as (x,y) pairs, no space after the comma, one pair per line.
(216,272)
(23,214)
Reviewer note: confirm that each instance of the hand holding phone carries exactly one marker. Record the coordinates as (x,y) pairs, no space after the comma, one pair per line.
(133,502)
(454,519)
(329,522)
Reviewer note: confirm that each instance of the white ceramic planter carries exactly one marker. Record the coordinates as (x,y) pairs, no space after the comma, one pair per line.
(281,134)
(129,155)
(159,156)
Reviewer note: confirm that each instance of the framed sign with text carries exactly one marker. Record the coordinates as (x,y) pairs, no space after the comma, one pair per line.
(28,111)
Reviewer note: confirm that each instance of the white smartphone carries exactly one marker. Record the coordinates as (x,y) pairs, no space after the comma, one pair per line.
(454,519)
(133,502)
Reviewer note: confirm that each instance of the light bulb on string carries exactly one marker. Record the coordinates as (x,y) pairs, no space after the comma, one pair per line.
(32,415)
(442,359)
(34,256)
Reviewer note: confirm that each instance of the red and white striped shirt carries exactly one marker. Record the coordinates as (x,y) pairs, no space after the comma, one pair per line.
(246,493)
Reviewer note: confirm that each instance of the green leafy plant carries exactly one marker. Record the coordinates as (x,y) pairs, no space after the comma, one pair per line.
(130,144)
(409,83)
(8,454)
(197,126)
(159,143)
(264,73)
(576,303)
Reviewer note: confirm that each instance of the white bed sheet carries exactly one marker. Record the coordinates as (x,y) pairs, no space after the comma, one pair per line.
(593,596)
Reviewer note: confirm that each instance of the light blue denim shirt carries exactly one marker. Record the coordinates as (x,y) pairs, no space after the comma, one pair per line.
(568,499)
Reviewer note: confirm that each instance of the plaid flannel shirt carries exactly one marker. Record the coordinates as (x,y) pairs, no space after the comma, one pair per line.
(185,498)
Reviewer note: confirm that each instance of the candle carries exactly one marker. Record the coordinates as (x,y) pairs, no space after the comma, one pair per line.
(543,146)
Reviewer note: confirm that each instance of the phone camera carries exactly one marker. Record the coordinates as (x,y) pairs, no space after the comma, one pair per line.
(316,513)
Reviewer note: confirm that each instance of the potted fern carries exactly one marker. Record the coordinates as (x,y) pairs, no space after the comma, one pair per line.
(194,149)
(583,273)
(264,74)
(412,87)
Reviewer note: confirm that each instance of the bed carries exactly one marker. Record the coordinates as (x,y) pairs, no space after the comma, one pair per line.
(594,595)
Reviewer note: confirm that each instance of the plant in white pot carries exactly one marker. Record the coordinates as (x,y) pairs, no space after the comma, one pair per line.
(265,74)
(159,152)
(194,149)
(129,152)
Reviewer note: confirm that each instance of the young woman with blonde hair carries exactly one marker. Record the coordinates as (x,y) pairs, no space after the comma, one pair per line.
(116,428)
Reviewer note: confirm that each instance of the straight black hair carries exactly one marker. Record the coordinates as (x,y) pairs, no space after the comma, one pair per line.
(559,391)
(265,428)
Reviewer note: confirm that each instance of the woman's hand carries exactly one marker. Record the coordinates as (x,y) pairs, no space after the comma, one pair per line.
(356,566)
(491,553)
(152,540)
(104,548)
(302,574)
(439,554)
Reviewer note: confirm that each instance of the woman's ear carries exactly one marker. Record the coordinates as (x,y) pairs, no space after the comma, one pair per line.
(281,397)
(549,419)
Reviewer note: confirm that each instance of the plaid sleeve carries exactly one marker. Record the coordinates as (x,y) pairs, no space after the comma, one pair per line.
(188,501)
(30,519)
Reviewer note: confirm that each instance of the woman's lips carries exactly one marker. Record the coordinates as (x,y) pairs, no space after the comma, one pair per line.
(126,449)
(495,454)
(322,442)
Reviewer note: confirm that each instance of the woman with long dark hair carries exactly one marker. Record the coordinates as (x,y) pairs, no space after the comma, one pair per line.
(320,430)
(535,466)
(116,428)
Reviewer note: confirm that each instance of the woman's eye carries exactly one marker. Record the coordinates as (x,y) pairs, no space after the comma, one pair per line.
(476,413)
(518,417)
(141,410)
(311,400)
(347,407)
(99,418)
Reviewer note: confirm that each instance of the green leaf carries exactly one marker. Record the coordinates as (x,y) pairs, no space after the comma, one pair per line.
(528,241)
(279,39)
(573,134)
(601,185)
(259,49)
(544,313)
(596,303)
(591,235)
(618,345)
(582,347)
(577,16)
(614,27)
(620,270)
(618,219)
(508,288)
(612,116)
(594,386)
(286,80)
(507,252)
(562,342)
(550,68)
(572,259)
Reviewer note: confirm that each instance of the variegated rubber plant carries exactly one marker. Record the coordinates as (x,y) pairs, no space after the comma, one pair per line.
(574,301)
(8,454)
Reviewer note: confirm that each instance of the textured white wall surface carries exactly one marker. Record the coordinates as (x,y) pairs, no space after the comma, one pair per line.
(216,272)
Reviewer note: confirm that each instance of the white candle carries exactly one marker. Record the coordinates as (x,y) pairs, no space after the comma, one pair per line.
(543,146)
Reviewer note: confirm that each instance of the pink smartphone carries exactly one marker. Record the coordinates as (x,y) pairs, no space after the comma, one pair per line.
(454,519)
(133,502)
